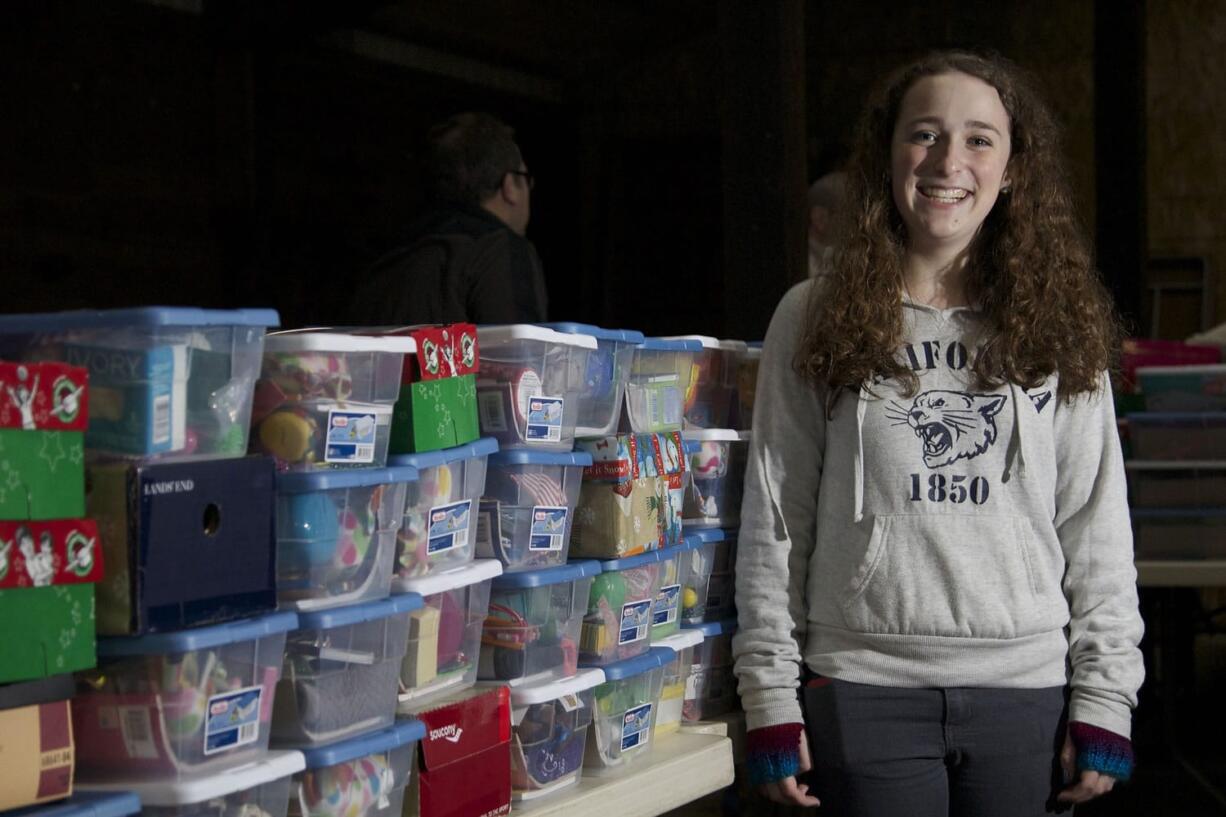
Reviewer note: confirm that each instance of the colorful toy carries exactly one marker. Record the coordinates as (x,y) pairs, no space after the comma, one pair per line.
(548,743)
(355,788)
(291,434)
(313,530)
(413,539)
(618,620)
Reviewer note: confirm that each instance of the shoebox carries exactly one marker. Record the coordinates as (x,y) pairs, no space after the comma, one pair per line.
(464,762)
(43,416)
(632,494)
(35,742)
(186,543)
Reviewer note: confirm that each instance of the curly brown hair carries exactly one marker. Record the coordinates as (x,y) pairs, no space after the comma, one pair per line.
(1029,266)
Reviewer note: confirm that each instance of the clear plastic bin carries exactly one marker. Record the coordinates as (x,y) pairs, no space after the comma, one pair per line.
(716,477)
(1179,484)
(360,777)
(747,384)
(627,704)
(173,704)
(619,610)
(162,380)
(549,728)
(659,383)
(1183,388)
(608,369)
(676,677)
(666,611)
(445,635)
(1179,533)
(712,393)
(531,385)
(708,573)
(534,623)
(258,788)
(1200,436)
(529,507)
(336,534)
(711,688)
(342,671)
(324,400)
(439,531)
(82,803)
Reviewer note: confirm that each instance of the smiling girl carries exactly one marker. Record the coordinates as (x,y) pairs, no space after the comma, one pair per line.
(935,543)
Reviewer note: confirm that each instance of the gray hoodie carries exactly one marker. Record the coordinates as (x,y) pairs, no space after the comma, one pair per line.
(956,538)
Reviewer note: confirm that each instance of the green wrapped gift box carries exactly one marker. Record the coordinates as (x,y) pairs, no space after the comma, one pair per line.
(42,474)
(46,631)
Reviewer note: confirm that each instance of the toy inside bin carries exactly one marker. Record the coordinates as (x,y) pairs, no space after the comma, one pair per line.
(439,530)
(659,382)
(169,705)
(534,623)
(619,610)
(528,509)
(717,477)
(627,704)
(712,393)
(531,385)
(707,573)
(711,689)
(676,677)
(444,642)
(336,534)
(342,671)
(608,370)
(549,728)
(259,788)
(324,400)
(364,776)
(162,380)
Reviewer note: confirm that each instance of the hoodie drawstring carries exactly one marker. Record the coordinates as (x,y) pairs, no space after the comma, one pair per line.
(861,407)
(1014,449)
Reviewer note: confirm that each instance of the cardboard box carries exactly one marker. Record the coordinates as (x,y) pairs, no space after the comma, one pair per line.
(35,742)
(46,631)
(464,762)
(43,396)
(186,543)
(437,407)
(631,497)
(39,554)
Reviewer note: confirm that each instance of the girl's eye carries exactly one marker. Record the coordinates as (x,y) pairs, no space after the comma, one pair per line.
(926,137)
(980,142)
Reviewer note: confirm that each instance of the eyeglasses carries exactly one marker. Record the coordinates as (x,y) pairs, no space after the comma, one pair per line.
(528,177)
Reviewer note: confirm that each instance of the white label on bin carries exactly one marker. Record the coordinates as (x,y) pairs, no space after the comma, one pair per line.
(691,685)
(544,418)
(636,621)
(449,526)
(137,733)
(571,702)
(351,437)
(233,720)
(667,602)
(548,527)
(161,419)
(492,411)
(636,727)
(663,401)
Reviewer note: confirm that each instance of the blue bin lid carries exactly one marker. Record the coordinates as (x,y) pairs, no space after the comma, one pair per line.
(358,613)
(399,734)
(199,638)
(688,542)
(754,344)
(620,335)
(303,482)
(525,456)
(547,575)
(145,316)
(85,804)
(709,535)
(637,665)
(428,459)
(1167,418)
(691,447)
(710,628)
(667,654)
(675,345)
(638,560)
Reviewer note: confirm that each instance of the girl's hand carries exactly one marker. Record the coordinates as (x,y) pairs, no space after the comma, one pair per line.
(1090,785)
(788,791)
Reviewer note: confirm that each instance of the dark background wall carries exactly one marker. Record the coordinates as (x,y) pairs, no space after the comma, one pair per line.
(261,153)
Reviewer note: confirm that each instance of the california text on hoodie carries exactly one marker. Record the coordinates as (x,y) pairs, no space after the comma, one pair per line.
(959,537)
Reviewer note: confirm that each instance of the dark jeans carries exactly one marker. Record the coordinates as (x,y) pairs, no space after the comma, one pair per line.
(888,752)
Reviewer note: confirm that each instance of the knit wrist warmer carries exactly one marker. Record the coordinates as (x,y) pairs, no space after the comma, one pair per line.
(773,752)
(1099,750)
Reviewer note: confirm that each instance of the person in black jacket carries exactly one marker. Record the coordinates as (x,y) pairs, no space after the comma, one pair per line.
(467,258)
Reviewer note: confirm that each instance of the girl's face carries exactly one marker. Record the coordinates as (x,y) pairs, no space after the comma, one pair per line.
(949,158)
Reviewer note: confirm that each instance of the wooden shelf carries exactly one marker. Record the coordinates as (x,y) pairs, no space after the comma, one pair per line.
(683,767)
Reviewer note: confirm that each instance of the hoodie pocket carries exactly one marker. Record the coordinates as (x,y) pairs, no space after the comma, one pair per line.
(953,575)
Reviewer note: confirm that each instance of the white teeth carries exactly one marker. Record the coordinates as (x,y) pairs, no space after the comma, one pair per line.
(944,194)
